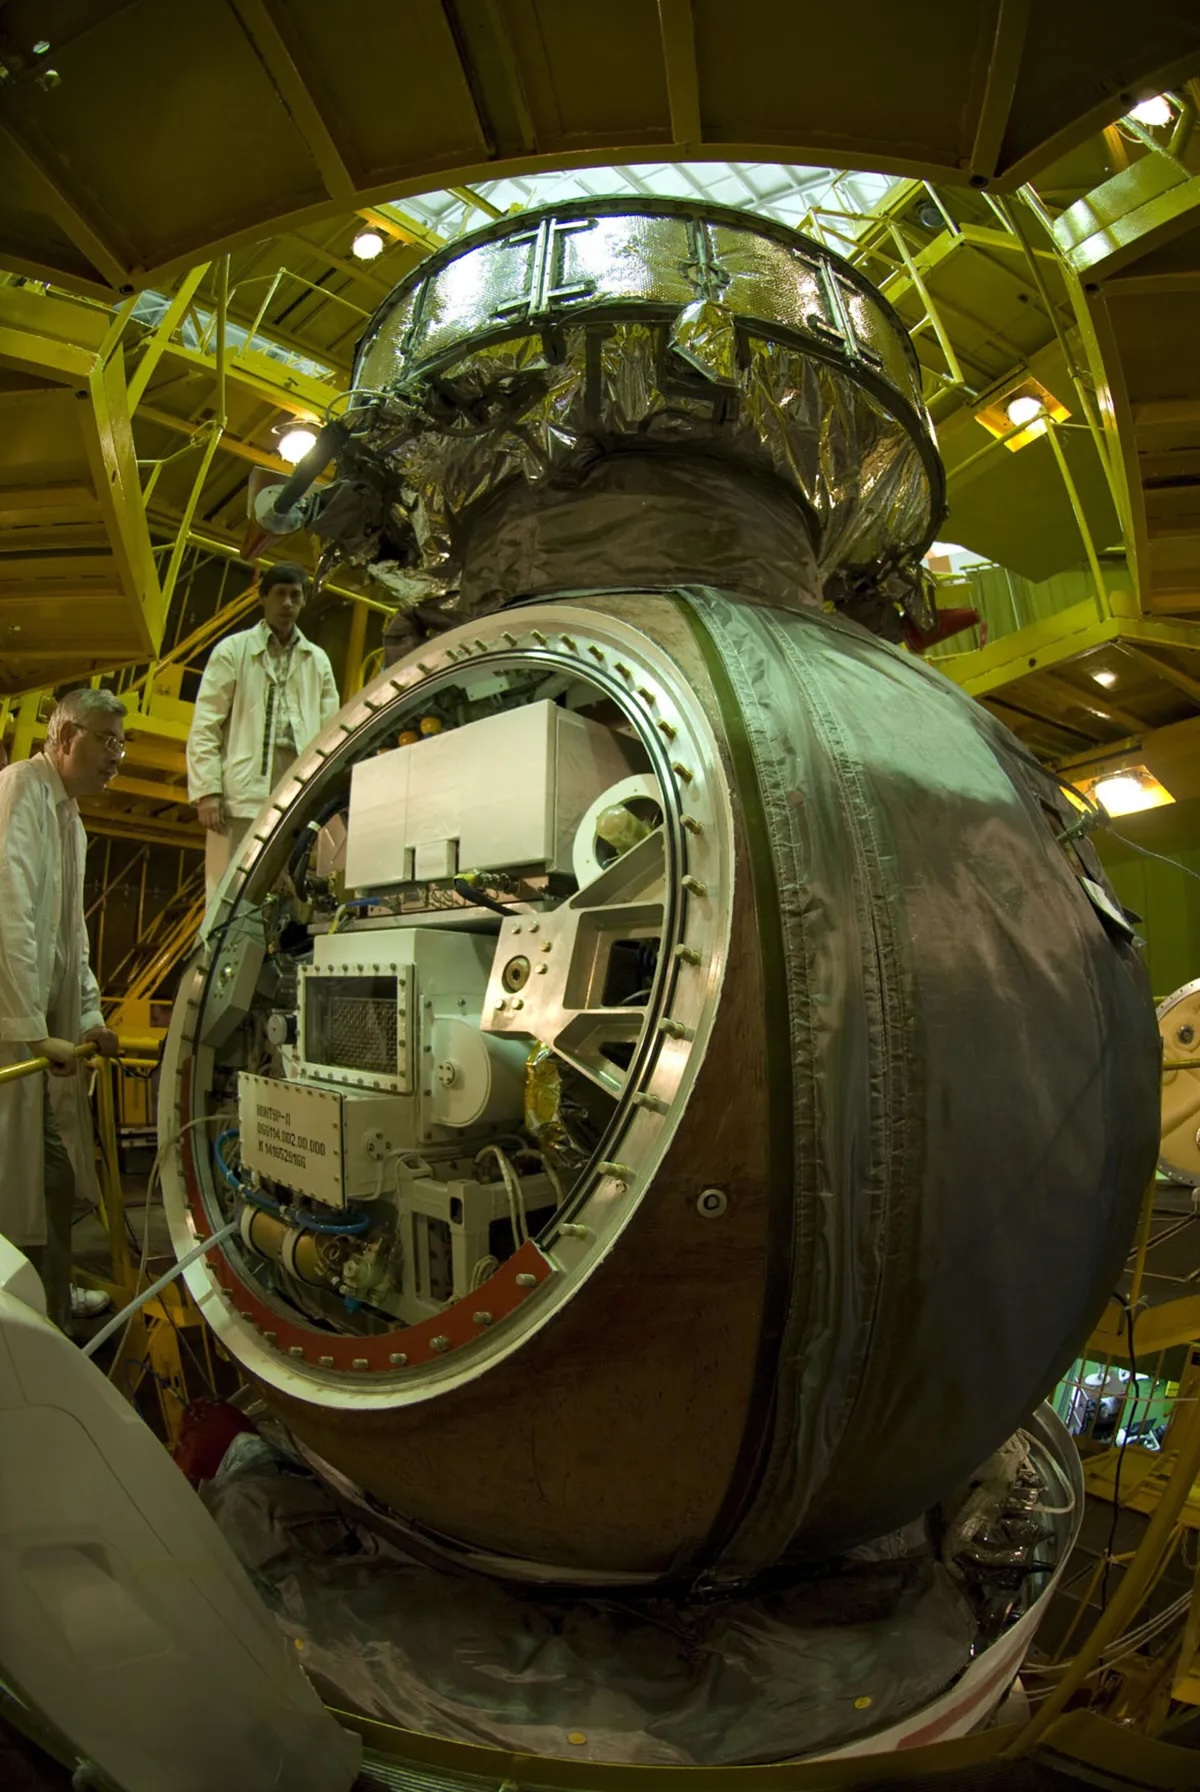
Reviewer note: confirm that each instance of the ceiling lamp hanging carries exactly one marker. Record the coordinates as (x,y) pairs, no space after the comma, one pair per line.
(1153,112)
(295,443)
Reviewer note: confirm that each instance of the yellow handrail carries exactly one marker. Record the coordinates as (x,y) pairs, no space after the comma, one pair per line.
(31,1066)
(87,1049)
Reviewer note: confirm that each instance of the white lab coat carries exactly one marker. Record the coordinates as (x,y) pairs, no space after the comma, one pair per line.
(231,746)
(34,921)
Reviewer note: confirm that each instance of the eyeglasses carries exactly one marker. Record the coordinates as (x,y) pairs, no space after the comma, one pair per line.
(112,742)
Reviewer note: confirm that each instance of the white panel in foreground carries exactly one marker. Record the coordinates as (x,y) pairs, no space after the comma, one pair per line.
(124,1616)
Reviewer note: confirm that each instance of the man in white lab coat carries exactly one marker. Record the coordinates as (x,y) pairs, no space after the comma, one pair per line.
(266,693)
(49,1001)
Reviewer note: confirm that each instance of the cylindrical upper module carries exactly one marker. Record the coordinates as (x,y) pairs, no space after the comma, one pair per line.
(691,345)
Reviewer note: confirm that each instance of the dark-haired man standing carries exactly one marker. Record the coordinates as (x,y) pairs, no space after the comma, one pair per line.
(266,693)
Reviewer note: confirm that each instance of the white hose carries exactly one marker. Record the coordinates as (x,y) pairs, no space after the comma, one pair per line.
(148,1294)
(512,1188)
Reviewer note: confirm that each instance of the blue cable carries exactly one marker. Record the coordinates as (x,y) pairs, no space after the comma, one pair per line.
(290,1216)
(361,1222)
(353,902)
(229,1133)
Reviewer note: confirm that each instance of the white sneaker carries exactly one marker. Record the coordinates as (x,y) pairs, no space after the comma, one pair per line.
(88,1303)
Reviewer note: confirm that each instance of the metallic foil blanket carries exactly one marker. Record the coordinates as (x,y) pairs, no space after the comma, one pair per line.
(735,353)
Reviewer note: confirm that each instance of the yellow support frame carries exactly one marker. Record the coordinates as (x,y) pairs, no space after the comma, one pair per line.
(1056,640)
(97,374)
(114,463)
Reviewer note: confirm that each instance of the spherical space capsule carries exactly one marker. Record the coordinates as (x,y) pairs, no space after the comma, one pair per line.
(676,1082)
(727,1187)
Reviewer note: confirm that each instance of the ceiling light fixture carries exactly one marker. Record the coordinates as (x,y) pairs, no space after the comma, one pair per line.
(1127,791)
(367,245)
(1023,409)
(1123,795)
(1155,111)
(1107,679)
(295,443)
(1020,413)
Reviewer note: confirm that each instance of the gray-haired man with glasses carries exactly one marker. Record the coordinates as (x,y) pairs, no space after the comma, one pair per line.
(49,1000)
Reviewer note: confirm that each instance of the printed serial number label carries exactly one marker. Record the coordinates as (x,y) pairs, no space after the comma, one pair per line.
(287,1147)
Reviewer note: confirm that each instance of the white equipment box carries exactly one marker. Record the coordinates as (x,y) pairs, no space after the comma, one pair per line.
(359,1000)
(508,791)
(318,1141)
(389,1058)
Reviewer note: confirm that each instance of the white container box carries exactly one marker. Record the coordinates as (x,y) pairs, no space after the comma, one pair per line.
(504,792)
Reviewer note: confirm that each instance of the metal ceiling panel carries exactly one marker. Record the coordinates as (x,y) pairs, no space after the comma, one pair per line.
(878,87)
(1078,58)
(412,102)
(165,129)
(591,74)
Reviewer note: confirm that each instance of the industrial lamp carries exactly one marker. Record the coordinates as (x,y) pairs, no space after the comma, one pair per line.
(1153,112)
(367,245)
(295,443)
(1127,791)
(1024,408)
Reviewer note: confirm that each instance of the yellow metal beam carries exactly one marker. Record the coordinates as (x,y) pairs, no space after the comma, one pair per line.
(178,939)
(217,624)
(275,381)
(361,271)
(44,355)
(1047,643)
(982,236)
(114,469)
(1080,515)
(241,450)
(1105,364)
(470,197)
(352,679)
(1057,639)
(1086,398)
(1163,669)
(403,229)
(1012,21)
(1153,286)
(277,58)
(1162,413)
(1080,699)
(64,504)
(677,32)
(505,68)
(189,511)
(932,314)
(1137,210)
(106,821)
(162,333)
(66,212)
(106,440)
(149,789)
(1157,1328)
